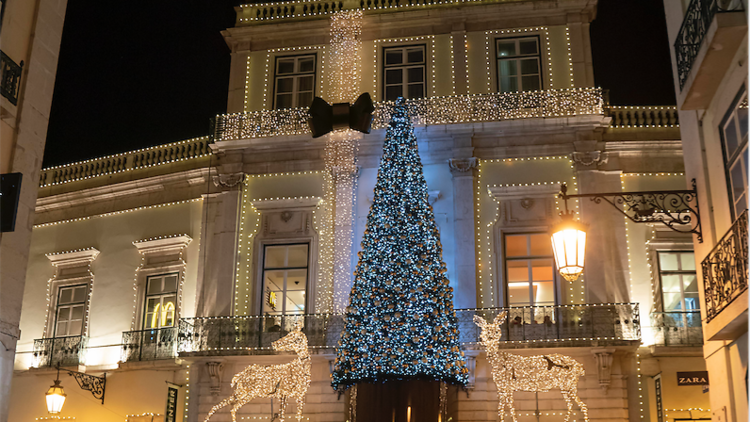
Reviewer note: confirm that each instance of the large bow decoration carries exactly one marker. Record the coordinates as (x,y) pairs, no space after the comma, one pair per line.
(325,118)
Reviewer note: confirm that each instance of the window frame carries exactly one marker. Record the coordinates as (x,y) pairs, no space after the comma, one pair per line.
(296,76)
(404,66)
(58,306)
(737,156)
(146,297)
(517,58)
(504,259)
(263,269)
(679,272)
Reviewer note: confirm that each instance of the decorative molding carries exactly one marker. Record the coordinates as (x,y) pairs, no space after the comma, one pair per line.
(463,166)
(215,370)
(604,366)
(590,158)
(285,203)
(229,181)
(527,203)
(523,192)
(79,257)
(163,243)
(433,196)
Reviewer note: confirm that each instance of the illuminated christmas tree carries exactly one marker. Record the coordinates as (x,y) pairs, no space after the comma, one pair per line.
(400,323)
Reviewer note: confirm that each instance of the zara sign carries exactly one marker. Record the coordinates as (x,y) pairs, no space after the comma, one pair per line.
(692,378)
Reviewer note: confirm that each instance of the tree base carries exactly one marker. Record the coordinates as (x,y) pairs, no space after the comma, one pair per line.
(398,401)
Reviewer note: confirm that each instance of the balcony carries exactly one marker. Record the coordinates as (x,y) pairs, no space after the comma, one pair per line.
(10,78)
(478,108)
(531,326)
(677,328)
(148,345)
(709,38)
(725,280)
(63,351)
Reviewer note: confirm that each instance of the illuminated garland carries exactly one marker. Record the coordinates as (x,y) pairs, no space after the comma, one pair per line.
(286,381)
(427,111)
(539,373)
(401,323)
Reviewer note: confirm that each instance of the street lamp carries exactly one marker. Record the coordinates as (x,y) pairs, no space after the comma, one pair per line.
(56,395)
(676,209)
(569,243)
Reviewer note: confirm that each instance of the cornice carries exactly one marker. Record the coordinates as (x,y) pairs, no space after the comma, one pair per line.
(162,243)
(73,258)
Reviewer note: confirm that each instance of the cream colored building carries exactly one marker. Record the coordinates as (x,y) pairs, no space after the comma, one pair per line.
(29,46)
(709,56)
(194,256)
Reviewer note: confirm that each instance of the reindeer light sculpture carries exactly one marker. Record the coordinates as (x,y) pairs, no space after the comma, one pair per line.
(284,382)
(539,373)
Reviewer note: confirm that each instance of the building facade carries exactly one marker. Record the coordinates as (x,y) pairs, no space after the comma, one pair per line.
(28,59)
(709,57)
(179,265)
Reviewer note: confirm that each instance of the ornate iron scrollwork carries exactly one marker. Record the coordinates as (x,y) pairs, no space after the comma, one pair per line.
(676,209)
(96,385)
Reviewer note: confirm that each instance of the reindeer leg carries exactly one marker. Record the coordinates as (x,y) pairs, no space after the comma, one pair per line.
(221,404)
(236,407)
(512,407)
(282,408)
(569,402)
(581,404)
(300,406)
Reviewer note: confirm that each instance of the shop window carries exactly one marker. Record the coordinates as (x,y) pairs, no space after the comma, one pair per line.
(519,64)
(404,72)
(285,275)
(529,269)
(161,301)
(294,81)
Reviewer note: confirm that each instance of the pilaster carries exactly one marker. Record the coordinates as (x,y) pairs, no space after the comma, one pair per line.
(464,171)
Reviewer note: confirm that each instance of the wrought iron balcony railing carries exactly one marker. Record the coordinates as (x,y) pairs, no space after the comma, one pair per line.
(568,325)
(725,269)
(10,78)
(698,18)
(63,351)
(677,328)
(452,109)
(151,344)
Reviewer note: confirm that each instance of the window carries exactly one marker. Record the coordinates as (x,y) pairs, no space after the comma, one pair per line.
(679,284)
(734,138)
(404,72)
(294,81)
(71,302)
(518,64)
(161,301)
(285,269)
(529,268)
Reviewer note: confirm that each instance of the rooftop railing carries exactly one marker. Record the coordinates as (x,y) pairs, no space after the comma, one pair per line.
(128,161)
(698,18)
(540,326)
(63,351)
(725,269)
(681,328)
(477,108)
(643,116)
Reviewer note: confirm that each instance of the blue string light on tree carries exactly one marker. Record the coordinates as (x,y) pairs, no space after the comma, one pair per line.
(400,323)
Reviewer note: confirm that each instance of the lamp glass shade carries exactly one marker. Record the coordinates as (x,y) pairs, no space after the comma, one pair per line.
(55,398)
(569,247)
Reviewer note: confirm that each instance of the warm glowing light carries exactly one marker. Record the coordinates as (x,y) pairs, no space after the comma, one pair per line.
(167,315)
(55,398)
(284,382)
(569,246)
(539,373)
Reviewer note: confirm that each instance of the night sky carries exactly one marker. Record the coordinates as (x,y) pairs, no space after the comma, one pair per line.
(138,74)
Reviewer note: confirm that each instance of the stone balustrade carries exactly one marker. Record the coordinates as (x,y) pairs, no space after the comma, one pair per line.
(255,13)
(128,161)
(644,116)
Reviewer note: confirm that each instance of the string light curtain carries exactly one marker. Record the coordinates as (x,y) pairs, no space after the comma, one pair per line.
(401,323)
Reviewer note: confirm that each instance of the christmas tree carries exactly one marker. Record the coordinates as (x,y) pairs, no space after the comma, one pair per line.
(400,323)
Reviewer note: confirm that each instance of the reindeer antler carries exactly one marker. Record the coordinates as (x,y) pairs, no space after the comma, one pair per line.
(481,322)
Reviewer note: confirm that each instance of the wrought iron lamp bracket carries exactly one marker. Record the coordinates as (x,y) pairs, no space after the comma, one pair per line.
(676,209)
(96,385)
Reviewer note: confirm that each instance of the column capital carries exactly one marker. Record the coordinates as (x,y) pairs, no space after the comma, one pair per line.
(462,167)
